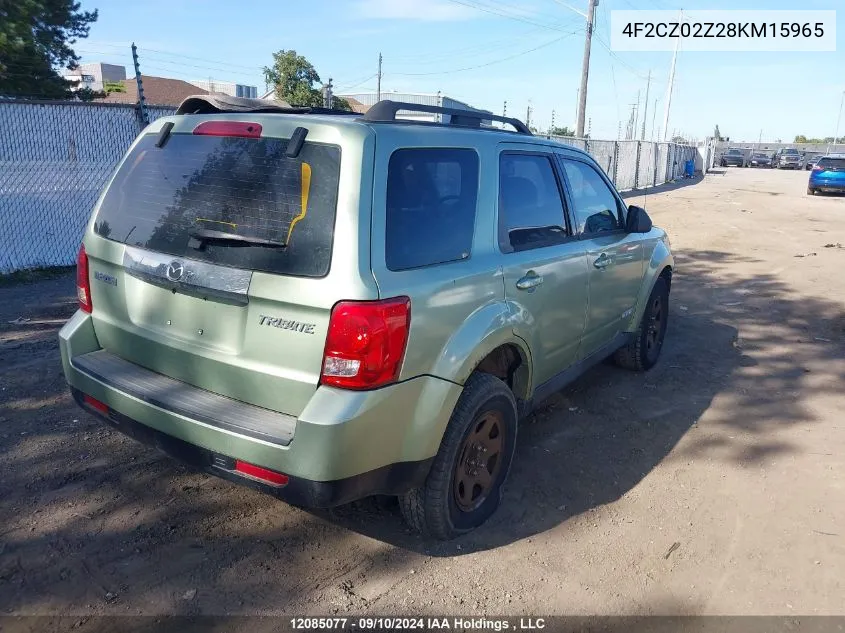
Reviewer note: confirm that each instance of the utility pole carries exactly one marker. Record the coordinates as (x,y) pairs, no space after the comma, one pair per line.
(653,120)
(636,117)
(838,121)
(585,70)
(552,126)
(142,103)
(671,81)
(378,85)
(645,105)
(528,116)
(760,139)
(328,96)
(505,109)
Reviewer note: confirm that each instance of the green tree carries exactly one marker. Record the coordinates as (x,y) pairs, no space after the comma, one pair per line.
(339,103)
(36,37)
(561,131)
(113,86)
(293,77)
(86,94)
(801,139)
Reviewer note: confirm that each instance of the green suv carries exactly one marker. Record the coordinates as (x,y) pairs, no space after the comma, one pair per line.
(328,306)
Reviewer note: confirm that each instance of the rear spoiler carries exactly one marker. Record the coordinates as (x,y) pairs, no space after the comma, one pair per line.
(220,103)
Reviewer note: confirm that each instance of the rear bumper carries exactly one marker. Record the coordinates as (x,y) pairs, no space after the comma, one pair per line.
(827,185)
(389,480)
(345,445)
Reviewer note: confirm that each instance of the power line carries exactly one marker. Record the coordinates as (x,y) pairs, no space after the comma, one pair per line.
(490,63)
(509,16)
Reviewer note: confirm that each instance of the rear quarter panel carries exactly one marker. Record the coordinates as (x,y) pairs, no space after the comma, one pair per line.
(458,309)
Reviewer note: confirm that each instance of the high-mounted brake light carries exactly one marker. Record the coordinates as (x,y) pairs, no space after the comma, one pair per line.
(242,129)
(366,343)
(83,282)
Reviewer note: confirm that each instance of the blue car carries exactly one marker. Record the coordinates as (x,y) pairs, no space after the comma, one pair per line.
(828,175)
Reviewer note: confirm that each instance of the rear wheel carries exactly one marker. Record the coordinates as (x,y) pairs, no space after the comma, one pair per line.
(466,481)
(811,191)
(642,352)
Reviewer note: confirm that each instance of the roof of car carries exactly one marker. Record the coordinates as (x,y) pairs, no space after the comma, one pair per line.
(383,113)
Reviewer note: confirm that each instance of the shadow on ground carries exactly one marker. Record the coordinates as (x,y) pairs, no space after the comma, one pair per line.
(669,186)
(92,520)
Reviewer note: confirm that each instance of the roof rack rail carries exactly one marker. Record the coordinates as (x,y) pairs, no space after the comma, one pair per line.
(385,112)
(217,104)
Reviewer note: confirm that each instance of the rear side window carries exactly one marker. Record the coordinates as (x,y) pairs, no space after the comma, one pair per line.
(431,201)
(837,164)
(163,198)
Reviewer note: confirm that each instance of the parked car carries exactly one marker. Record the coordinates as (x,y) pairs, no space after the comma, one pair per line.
(787,158)
(760,160)
(328,306)
(735,157)
(828,175)
(810,159)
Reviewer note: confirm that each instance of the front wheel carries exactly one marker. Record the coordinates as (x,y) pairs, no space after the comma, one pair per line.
(642,352)
(466,480)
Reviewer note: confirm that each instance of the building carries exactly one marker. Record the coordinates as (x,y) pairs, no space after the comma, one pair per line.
(94,75)
(226,87)
(361,102)
(161,91)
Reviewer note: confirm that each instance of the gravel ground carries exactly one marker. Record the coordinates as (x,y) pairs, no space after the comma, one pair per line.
(711,485)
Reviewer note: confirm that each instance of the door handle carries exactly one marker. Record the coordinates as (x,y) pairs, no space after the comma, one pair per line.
(603,261)
(530,281)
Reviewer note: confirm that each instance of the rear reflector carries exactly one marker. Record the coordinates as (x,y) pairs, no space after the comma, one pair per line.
(96,404)
(229,128)
(268,476)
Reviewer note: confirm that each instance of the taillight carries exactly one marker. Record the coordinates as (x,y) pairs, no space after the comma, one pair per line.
(83,283)
(366,343)
(228,128)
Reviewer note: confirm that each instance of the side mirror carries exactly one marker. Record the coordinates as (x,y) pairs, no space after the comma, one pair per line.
(638,220)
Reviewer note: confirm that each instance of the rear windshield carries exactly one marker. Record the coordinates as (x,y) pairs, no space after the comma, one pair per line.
(832,163)
(161,199)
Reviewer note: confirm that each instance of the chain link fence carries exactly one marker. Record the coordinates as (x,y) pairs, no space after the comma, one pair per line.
(55,159)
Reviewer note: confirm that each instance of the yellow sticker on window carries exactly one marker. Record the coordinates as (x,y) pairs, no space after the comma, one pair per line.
(306,188)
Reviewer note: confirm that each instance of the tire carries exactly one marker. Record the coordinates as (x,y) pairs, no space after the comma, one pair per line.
(643,351)
(811,191)
(446,506)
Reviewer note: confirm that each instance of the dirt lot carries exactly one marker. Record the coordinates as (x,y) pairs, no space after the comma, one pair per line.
(711,485)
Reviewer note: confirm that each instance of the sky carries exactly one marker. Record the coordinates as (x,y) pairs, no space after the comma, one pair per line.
(486,52)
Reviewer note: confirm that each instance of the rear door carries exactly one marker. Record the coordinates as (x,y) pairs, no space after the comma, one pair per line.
(544,263)
(212,254)
(614,257)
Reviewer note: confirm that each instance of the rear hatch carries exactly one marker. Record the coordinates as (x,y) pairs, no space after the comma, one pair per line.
(830,170)
(210,259)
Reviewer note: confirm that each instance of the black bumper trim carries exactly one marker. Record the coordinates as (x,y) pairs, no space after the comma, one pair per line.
(393,479)
(183,399)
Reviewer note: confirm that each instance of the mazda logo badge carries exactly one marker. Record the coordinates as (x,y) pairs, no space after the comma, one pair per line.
(175,271)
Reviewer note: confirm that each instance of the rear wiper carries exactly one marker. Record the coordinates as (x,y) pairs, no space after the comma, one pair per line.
(208,235)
